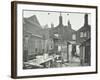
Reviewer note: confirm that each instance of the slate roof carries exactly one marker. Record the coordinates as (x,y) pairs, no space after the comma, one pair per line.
(32,25)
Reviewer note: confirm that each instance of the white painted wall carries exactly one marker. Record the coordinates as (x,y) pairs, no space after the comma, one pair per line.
(5,40)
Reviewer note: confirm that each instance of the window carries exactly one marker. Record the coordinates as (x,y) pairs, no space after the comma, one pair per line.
(85,34)
(74,37)
(81,34)
(56,35)
(88,34)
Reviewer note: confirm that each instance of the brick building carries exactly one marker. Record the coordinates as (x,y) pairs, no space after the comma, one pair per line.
(35,38)
(61,35)
(84,39)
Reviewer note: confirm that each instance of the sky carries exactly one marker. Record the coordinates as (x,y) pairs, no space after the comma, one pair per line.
(48,18)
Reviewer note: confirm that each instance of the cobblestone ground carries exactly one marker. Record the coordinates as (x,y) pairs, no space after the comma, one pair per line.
(75,61)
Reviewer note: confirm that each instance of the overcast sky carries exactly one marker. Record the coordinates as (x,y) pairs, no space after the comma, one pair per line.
(76,19)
